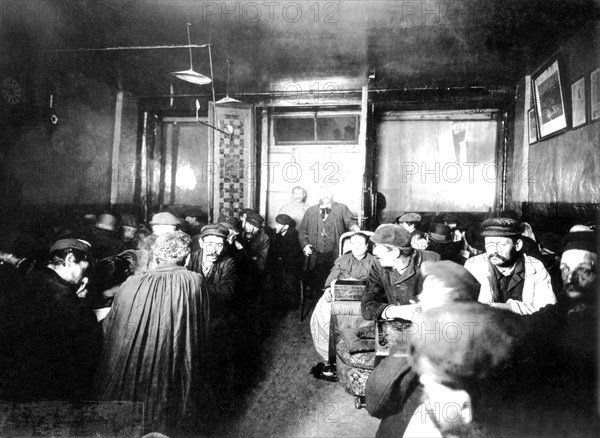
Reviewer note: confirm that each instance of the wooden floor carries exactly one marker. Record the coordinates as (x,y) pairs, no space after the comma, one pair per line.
(285,400)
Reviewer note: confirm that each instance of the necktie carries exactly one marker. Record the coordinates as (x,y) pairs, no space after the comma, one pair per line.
(325,211)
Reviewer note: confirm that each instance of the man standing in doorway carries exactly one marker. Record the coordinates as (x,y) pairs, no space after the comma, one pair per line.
(319,235)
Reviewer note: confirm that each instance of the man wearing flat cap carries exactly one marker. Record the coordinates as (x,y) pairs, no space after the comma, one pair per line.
(60,336)
(217,269)
(509,278)
(285,263)
(410,221)
(319,235)
(393,281)
(393,391)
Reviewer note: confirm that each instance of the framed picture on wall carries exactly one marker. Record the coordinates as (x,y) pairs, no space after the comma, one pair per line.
(578,103)
(549,101)
(532,126)
(595,94)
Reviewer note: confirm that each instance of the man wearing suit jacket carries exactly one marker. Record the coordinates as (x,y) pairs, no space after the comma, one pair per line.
(319,235)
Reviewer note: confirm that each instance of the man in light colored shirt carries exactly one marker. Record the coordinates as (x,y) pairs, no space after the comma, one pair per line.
(297,207)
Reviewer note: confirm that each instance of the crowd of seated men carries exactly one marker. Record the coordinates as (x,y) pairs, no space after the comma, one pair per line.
(108,308)
(503,336)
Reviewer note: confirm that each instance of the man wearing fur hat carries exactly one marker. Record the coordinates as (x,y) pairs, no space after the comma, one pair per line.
(509,278)
(392,283)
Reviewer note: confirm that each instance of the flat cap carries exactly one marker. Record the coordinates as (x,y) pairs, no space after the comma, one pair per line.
(409,217)
(583,240)
(501,227)
(254,218)
(284,219)
(78,244)
(214,230)
(394,235)
(440,233)
(445,282)
(164,218)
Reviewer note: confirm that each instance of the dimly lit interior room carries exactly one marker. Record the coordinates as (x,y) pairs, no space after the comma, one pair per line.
(299,218)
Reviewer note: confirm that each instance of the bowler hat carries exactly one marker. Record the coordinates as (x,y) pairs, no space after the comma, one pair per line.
(78,244)
(254,218)
(394,235)
(164,218)
(440,233)
(284,219)
(409,217)
(106,222)
(501,227)
(214,230)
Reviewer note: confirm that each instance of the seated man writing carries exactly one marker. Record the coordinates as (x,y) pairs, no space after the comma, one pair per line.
(354,265)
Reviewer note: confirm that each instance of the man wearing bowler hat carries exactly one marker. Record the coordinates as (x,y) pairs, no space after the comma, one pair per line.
(392,283)
(217,269)
(104,237)
(509,278)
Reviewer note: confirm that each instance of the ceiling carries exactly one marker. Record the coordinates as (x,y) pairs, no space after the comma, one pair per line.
(405,44)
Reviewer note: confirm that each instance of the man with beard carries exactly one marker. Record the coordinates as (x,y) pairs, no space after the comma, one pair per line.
(319,235)
(217,269)
(509,278)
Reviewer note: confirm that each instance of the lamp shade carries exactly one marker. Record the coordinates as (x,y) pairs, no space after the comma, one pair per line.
(192,76)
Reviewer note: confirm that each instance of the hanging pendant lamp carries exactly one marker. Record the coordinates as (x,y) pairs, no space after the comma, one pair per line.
(190,75)
(228,99)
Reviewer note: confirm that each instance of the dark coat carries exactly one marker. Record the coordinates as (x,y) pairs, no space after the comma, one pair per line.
(156,344)
(61,341)
(392,393)
(387,286)
(105,243)
(324,235)
(285,253)
(220,281)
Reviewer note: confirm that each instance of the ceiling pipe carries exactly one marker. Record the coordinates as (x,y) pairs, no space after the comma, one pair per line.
(500,90)
(114,49)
